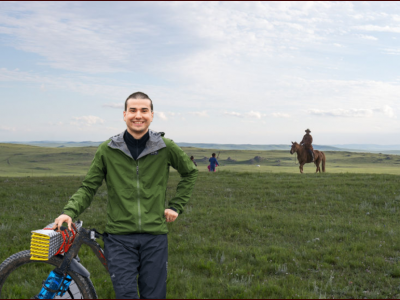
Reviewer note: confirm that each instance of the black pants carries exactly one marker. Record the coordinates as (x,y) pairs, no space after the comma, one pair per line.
(140,254)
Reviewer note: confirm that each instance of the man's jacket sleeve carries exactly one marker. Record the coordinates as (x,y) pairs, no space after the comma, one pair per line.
(84,196)
(185,167)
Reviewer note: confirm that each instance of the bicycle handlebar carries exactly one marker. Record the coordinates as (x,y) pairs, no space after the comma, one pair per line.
(84,236)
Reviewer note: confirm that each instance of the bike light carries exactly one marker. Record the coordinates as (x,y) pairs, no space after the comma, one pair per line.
(45,243)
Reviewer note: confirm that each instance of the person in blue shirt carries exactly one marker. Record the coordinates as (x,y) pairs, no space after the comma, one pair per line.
(213,163)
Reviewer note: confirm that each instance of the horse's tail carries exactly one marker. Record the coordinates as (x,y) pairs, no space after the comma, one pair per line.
(323,161)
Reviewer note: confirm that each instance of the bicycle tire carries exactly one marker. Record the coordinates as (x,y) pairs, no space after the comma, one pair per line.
(80,288)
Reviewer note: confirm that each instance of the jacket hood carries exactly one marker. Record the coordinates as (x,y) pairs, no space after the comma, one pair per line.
(154,143)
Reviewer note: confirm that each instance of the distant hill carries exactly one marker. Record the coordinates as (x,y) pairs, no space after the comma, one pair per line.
(253,147)
(61,144)
(370,147)
(386,149)
(58,144)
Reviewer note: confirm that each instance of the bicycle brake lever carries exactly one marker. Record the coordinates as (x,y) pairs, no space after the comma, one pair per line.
(62,228)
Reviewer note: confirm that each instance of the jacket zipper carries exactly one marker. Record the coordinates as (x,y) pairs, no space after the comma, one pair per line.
(138,191)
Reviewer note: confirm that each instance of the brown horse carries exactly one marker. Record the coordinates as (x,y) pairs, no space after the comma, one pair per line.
(303,157)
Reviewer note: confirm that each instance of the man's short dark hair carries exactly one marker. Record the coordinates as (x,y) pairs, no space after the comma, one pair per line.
(213,155)
(138,95)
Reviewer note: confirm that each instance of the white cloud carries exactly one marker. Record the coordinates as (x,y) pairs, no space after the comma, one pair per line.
(114,105)
(280,115)
(161,115)
(87,121)
(392,51)
(367,37)
(137,35)
(102,87)
(339,112)
(66,39)
(255,114)
(352,113)
(387,110)
(202,114)
(234,114)
(378,28)
(166,115)
(251,114)
(7,128)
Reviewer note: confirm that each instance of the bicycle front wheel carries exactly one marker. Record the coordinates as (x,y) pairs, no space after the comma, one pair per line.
(22,278)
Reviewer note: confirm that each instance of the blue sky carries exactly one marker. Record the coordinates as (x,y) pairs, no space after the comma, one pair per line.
(217,72)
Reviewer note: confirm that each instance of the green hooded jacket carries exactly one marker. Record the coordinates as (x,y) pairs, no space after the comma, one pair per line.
(136,188)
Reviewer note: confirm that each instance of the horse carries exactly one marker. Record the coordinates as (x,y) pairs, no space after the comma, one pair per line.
(303,157)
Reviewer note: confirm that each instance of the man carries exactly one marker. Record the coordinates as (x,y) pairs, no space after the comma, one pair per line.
(306,142)
(213,163)
(192,159)
(135,166)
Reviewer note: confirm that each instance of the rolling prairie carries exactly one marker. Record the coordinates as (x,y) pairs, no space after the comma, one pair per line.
(253,229)
(23,160)
(244,235)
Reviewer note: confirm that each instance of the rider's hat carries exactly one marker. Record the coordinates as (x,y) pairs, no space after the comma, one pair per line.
(308,130)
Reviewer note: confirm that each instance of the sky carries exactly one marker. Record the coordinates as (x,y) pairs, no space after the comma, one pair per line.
(217,72)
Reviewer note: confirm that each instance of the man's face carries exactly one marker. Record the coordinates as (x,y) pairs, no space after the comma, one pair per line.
(138,116)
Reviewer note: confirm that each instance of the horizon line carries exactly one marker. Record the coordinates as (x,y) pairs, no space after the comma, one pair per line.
(51,141)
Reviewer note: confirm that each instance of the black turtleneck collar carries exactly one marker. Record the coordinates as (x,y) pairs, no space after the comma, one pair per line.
(135,146)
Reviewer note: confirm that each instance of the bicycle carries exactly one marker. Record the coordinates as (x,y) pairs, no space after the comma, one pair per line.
(75,284)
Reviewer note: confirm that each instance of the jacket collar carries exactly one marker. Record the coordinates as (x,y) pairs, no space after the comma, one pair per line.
(154,143)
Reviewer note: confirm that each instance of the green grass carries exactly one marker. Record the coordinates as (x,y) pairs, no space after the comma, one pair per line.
(23,160)
(283,161)
(247,235)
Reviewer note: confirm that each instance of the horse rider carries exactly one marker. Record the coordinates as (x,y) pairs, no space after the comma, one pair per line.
(307,141)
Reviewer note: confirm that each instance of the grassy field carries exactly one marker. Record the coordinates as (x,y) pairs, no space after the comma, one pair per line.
(283,161)
(246,235)
(23,160)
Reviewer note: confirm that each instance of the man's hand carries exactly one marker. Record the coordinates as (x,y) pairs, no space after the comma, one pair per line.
(60,220)
(170,215)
